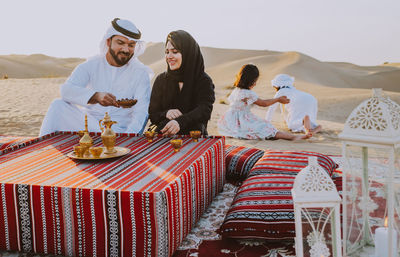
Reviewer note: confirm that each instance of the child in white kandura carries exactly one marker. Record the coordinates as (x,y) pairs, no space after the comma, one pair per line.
(300,114)
(239,121)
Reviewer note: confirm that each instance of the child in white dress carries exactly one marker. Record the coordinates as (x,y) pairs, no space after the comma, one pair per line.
(239,121)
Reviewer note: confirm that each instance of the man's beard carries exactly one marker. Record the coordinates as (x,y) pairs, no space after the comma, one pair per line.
(120,61)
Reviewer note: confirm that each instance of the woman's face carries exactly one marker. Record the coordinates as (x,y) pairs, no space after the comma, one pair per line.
(173,57)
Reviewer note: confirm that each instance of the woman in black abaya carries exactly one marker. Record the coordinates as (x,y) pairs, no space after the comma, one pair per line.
(182,97)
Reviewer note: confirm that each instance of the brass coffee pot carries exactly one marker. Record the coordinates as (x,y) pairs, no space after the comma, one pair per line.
(86,141)
(108,135)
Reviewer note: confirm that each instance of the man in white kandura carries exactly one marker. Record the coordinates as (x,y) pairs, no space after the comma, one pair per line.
(301,113)
(95,85)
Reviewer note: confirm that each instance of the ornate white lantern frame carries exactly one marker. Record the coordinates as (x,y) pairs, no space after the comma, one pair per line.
(313,188)
(375,123)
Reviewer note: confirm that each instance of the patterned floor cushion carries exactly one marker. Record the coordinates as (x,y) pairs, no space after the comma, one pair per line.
(289,162)
(263,208)
(239,161)
(338,180)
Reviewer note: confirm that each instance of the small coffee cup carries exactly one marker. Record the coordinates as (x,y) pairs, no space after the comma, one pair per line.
(150,135)
(79,150)
(176,144)
(195,134)
(96,151)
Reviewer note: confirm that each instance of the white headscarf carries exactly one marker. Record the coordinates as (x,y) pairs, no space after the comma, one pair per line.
(139,48)
(111,31)
(282,81)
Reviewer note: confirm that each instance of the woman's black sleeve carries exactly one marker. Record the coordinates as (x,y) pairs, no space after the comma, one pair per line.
(204,99)
(156,112)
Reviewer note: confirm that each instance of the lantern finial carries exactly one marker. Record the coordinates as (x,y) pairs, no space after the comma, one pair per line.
(313,160)
(377,92)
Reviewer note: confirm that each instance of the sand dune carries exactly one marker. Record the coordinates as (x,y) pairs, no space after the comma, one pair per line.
(222,64)
(339,87)
(36,66)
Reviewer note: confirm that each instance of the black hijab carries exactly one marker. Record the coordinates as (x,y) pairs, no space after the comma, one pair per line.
(192,66)
(191,71)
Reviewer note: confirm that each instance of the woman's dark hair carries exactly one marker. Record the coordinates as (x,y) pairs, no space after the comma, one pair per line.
(177,45)
(246,77)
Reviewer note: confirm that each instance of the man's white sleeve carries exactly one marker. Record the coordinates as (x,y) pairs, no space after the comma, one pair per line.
(140,113)
(75,90)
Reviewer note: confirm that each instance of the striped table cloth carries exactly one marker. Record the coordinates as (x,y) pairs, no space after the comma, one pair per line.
(9,143)
(141,204)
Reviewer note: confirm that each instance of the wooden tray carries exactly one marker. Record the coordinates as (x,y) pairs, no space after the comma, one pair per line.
(120,151)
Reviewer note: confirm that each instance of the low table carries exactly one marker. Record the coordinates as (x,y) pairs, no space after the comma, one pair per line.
(9,143)
(141,204)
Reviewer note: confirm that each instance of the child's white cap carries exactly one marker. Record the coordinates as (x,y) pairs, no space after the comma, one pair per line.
(282,80)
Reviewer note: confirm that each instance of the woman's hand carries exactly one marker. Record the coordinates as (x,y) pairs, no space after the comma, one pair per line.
(171,128)
(283,100)
(173,114)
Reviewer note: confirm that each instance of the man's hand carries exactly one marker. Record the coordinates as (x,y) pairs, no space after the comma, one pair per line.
(173,114)
(283,100)
(171,128)
(104,99)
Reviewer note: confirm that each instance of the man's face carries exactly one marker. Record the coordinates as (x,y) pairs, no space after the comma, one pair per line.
(121,49)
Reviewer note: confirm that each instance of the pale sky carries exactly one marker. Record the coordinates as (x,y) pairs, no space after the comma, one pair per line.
(364,32)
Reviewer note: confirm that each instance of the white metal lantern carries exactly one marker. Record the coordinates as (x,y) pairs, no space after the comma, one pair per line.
(370,149)
(316,199)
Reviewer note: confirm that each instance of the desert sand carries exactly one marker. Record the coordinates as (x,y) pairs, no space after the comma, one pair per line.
(33,82)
